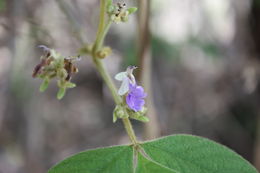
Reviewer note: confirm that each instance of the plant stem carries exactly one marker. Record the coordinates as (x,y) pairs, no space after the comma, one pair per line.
(104,74)
(102,31)
(103,28)
(130,131)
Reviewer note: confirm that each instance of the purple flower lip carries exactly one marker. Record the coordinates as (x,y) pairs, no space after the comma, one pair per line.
(135,97)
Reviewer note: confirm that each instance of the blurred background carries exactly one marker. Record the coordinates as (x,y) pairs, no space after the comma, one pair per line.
(199,62)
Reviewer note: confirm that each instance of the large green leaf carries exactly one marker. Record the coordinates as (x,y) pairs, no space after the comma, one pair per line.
(191,154)
(107,160)
(146,165)
(172,154)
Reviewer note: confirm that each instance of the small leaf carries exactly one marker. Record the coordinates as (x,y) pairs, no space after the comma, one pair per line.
(141,118)
(105,160)
(44,84)
(114,117)
(70,85)
(144,119)
(61,93)
(132,10)
(138,116)
(115,114)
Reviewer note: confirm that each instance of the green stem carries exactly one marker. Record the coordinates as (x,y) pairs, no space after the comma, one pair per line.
(104,74)
(130,131)
(100,39)
(100,33)
(103,28)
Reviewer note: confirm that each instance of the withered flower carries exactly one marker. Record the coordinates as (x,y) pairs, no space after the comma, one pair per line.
(54,65)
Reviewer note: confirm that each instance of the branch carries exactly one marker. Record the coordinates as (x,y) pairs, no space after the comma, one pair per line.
(151,129)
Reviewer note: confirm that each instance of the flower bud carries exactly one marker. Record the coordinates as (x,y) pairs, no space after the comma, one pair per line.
(62,73)
(119,112)
(110,8)
(106,51)
(124,16)
(118,13)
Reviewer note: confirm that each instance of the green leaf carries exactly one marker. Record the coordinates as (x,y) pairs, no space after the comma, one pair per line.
(172,154)
(61,93)
(114,118)
(104,160)
(131,10)
(140,118)
(44,84)
(115,115)
(70,85)
(148,166)
(191,154)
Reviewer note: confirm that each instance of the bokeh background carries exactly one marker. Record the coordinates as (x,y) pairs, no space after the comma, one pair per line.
(199,62)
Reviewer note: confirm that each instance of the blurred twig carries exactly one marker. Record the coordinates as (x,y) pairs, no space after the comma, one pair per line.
(151,129)
(74,24)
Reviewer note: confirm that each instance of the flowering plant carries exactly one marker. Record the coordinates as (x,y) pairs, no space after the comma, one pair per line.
(171,154)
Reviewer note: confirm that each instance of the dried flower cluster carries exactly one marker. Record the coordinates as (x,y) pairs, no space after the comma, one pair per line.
(53,65)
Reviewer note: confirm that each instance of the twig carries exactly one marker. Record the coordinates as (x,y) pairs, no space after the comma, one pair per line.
(151,129)
(76,27)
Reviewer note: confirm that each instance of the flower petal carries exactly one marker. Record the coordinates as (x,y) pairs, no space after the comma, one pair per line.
(135,97)
(138,91)
(124,88)
(120,76)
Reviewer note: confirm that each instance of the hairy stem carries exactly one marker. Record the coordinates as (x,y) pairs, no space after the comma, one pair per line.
(130,131)
(104,74)
(102,21)
(103,28)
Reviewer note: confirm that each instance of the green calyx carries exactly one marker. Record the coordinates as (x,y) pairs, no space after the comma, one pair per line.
(140,115)
(119,112)
(125,112)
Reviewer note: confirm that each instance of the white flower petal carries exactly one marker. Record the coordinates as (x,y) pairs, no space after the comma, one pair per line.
(120,76)
(124,87)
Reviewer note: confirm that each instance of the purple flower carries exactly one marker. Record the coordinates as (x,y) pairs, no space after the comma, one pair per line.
(135,97)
